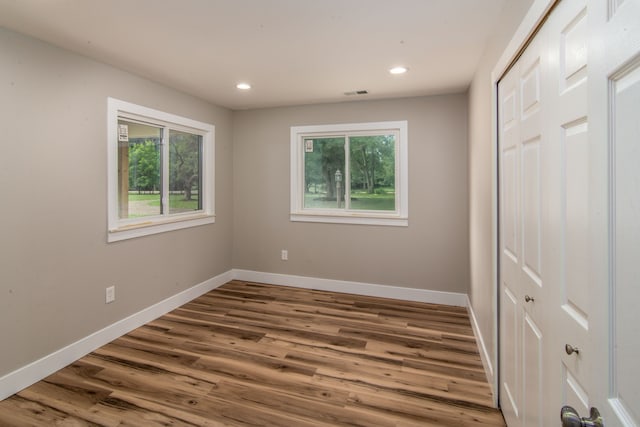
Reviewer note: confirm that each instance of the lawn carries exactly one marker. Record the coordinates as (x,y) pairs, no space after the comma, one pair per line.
(150,201)
(384,200)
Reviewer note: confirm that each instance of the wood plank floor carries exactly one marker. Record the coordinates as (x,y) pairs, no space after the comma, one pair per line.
(262,355)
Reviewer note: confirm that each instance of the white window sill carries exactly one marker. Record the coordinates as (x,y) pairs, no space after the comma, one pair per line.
(155,226)
(350,219)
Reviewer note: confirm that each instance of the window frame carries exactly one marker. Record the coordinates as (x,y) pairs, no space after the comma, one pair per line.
(122,229)
(298,212)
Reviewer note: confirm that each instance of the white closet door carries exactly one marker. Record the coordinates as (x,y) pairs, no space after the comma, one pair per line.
(510,286)
(568,214)
(521,270)
(569,153)
(614,109)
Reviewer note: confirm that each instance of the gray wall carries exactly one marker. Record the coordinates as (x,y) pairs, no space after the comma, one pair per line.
(54,259)
(481,291)
(432,253)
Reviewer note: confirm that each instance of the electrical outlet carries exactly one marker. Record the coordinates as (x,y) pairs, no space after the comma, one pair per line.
(110,294)
(285,255)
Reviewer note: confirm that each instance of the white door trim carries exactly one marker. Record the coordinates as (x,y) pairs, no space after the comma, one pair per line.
(532,20)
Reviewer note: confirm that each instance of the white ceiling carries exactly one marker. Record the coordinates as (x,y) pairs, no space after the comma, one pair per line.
(291,51)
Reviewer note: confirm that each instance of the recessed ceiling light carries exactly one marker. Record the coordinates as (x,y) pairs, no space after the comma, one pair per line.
(398,70)
(243,86)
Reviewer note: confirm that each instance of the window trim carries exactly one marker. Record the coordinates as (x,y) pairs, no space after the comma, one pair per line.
(399,217)
(127,229)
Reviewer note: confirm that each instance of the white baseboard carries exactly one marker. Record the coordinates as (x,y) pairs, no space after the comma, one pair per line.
(484,353)
(359,288)
(35,371)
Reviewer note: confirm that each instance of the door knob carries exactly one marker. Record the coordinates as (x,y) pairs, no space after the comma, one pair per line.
(527,298)
(571,349)
(570,418)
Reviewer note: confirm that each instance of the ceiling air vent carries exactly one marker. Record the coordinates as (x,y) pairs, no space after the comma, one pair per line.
(357,92)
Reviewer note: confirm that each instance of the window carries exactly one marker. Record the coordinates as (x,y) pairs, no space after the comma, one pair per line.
(160,171)
(351,173)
